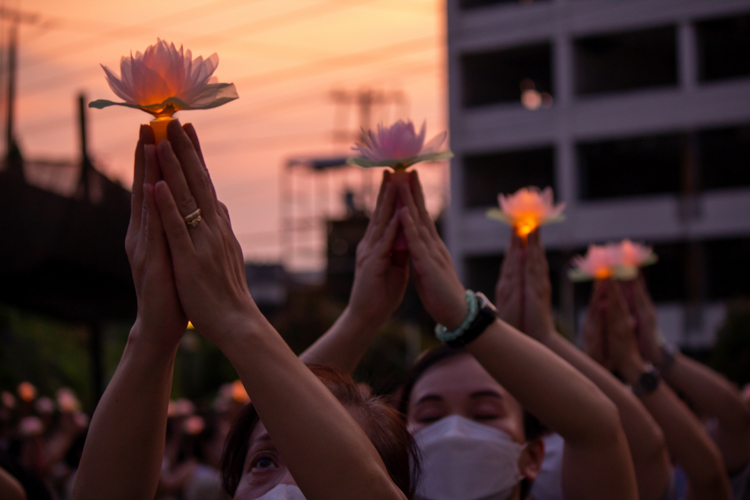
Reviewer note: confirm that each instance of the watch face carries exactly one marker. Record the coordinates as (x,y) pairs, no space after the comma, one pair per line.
(649,380)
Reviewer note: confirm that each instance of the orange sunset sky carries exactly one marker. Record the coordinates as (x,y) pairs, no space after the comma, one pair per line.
(285,58)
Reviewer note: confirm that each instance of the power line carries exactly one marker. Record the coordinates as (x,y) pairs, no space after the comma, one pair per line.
(216,38)
(129,31)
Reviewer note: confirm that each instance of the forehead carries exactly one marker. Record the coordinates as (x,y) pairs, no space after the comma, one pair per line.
(259,433)
(455,378)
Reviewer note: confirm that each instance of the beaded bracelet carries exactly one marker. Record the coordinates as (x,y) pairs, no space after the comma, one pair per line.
(442,332)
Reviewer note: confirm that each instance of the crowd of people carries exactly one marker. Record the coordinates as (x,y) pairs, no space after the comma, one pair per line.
(505,409)
(42,438)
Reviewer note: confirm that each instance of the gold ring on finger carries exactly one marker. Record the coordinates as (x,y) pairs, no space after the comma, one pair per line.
(194,218)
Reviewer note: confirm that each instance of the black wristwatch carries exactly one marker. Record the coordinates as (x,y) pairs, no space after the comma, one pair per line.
(647,382)
(486,315)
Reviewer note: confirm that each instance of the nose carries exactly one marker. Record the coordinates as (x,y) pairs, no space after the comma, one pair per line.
(287,479)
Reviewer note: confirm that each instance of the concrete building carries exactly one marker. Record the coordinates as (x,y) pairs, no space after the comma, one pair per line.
(637,112)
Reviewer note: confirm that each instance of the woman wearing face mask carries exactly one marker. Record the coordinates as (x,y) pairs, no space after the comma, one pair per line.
(467,410)
(188,263)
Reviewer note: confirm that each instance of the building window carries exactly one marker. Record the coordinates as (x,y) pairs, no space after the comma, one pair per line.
(503,76)
(631,167)
(626,61)
(723,48)
(724,155)
(470,4)
(487,175)
(728,268)
(669,279)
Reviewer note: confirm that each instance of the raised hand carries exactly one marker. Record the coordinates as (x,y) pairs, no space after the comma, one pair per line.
(161,319)
(435,278)
(621,334)
(537,291)
(207,259)
(379,284)
(644,312)
(508,290)
(594,336)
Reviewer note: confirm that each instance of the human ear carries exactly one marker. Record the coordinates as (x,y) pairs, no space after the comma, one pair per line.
(531,459)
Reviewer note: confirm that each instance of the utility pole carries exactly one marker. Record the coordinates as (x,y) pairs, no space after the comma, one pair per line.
(86,165)
(13,153)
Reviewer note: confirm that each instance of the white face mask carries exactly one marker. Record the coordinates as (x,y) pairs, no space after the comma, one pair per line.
(463,459)
(283,492)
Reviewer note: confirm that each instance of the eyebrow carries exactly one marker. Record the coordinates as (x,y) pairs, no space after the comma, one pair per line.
(429,398)
(260,439)
(485,394)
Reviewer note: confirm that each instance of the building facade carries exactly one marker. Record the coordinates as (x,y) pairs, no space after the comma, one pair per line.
(637,113)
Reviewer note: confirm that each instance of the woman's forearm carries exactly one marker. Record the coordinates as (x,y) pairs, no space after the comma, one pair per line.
(10,488)
(688,442)
(570,404)
(714,396)
(327,452)
(546,385)
(645,438)
(125,444)
(344,344)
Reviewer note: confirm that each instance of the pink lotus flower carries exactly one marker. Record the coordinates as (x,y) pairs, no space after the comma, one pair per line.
(164,80)
(527,209)
(398,147)
(616,260)
(634,255)
(600,262)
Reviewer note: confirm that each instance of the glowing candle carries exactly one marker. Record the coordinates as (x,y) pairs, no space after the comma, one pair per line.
(527,209)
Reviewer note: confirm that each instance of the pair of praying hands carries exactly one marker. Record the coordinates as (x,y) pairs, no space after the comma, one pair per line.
(181,271)
(380,280)
(620,332)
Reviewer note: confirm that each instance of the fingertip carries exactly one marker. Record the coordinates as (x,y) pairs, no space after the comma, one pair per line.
(174,127)
(146,134)
(164,150)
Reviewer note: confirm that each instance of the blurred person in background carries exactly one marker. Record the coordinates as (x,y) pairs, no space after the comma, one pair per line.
(715,401)
(610,338)
(525,268)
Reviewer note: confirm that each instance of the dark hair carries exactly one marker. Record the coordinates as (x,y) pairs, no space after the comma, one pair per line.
(533,429)
(380,421)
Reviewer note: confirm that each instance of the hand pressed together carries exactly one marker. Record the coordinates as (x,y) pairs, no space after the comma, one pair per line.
(442,294)
(207,259)
(379,284)
(161,319)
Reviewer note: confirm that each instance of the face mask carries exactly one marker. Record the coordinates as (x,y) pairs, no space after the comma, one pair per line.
(548,484)
(283,492)
(467,460)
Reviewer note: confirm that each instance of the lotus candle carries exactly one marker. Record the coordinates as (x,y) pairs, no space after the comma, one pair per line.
(527,209)
(634,256)
(399,147)
(621,261)
(163,80)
